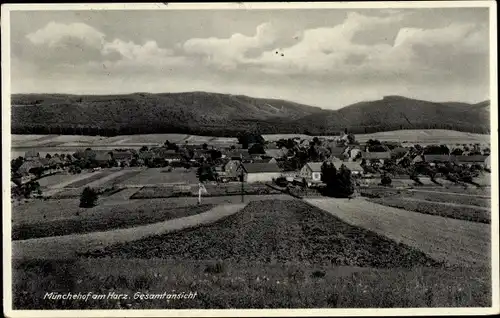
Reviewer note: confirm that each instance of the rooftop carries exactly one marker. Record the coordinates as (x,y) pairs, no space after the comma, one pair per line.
(261,167)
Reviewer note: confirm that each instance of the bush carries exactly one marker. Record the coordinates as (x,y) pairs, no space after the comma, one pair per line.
(88,198)
(386,180)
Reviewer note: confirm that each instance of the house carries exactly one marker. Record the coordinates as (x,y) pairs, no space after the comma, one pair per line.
(241,155)
(437,158)
(31,155)
(475,159)
(338,152)
(169,155)
(260,172)
(102,157)
(311,171)
(55,161)
(487,162)
(25,168)
(146,155)
(122,156)
(200,155)
(417,159)
(231,169)
(265,160)
(399,152)
(272,145)
(353,152)
(355,167)
(275,153)
(379,156)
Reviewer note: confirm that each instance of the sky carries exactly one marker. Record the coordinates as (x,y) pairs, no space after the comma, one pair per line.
(321,57)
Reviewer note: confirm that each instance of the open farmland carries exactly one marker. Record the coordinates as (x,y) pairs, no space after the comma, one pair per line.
(158,176)
(226,189)
(95,176)
(120,179)
(276,232)
(237,285)
(85,221)
(55,179)
(459,212)
(427,136)
(453,241)
(449,198)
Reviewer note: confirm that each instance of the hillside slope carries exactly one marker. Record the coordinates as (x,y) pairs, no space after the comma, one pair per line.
(221,114)
(396,112)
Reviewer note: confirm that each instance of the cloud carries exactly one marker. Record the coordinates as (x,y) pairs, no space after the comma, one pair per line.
(327,49)
(54,34)
(131,51)
(79,43)
(464,37)
(330,52)
(230,51)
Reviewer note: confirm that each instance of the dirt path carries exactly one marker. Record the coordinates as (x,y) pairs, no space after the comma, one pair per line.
(67,246)
(453,241)
(453,193)
(447,203)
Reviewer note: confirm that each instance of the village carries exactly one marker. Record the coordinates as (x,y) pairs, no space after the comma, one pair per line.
(296,161)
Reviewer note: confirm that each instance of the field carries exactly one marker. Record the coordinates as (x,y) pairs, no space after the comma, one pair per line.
(470,204)
(467,213)
(288,232)
(85,221)
(156,176)
(236,285)
(427,136)
(450,198)
(94,177)
(69,144)
(227,189)
(55,179)
(271,254)
(118,141)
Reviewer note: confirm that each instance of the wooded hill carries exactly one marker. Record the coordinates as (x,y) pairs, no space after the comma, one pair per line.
(229,115)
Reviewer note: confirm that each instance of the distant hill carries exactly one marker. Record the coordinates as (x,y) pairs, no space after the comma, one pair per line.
(397,112)
(227,115)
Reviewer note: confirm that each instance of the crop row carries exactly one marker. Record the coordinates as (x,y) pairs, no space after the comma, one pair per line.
(272,232)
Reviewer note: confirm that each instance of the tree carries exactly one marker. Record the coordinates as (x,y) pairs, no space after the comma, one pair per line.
(339,183)
(215,154)
(257,149)
(48,156)
(351,138)
(15,164)
(246,139)
(206,173)
(386,180)
(144,149)
(457,152)
(373,142)
(204,146)
(88,198)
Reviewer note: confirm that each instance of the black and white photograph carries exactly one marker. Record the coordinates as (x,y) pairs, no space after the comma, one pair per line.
(250,159)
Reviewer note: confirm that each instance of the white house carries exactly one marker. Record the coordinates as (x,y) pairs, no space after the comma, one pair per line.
(311,171)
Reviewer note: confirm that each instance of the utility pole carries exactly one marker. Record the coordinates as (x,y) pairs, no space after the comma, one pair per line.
(242,186)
